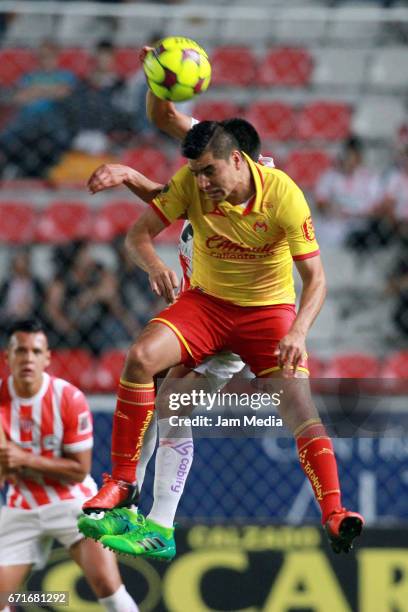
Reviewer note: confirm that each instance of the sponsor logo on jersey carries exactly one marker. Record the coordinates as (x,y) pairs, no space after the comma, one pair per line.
(223,244)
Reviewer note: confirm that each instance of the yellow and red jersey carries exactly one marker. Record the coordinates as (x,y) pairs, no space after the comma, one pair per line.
(243,253)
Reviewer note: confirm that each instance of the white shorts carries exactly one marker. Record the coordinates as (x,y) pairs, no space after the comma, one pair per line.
(26,536)
(222,365)
(220,368)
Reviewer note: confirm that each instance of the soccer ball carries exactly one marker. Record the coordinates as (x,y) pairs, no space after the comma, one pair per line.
(177,69)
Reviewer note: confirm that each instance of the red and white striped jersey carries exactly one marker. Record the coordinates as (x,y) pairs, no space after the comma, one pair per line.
(56,420)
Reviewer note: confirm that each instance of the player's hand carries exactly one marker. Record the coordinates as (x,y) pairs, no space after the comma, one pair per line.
(291,350)
(163,282)
(144,51)
(12,457)
(107,176)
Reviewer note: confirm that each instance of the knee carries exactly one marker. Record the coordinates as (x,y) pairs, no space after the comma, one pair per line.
(140,359)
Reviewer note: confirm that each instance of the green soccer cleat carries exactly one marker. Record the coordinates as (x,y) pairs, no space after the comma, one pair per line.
(149,540)
(111,522)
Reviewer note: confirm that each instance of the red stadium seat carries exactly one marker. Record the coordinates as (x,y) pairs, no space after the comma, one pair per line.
(305,166)
(127,61)
(114,219)
(353,365)
(151,162)
(78,61)
(17,222)
(74,365)
(285,66)
(394,373)
(324,121)
(233,66)
(273,120)
(14,63)
(108,371)
(64,221)
(316,367)
(216,109)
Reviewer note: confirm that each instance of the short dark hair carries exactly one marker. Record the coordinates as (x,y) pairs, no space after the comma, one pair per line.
(29,326)
(210,135)
(246,135)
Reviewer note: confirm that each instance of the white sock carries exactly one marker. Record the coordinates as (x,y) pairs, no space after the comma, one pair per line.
(120,601)
(149,444)
(174,457)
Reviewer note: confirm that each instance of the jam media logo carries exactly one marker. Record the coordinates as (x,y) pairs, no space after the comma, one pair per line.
(260,226)
(308,229)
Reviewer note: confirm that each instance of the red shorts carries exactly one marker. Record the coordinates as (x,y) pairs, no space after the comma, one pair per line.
(206,325)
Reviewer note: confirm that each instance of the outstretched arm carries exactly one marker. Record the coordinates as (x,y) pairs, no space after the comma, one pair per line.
(139,242)
(113,175)
(166,117)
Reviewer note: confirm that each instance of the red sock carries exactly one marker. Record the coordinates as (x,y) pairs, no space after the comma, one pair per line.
(318,462)
(134,410)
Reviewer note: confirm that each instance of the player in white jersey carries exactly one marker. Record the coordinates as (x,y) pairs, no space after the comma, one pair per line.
(45,457)
(175,453)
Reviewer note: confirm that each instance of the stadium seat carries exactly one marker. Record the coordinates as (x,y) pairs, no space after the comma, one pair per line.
(285,66)
(114,219)
(64,221)
(273,120)
(316,366)
(233,66)
(79,61)
(324,120)
(291,31)
(127,61)
(14,63)
(108,370)
(17,222)
(151,162)
(394,373)
(347,29)
(216,109)
(336,67)
(74,365)
(305,166)
(379,117)
(389,69)
(353,365)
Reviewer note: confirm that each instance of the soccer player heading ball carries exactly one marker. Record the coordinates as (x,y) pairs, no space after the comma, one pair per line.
(250,223)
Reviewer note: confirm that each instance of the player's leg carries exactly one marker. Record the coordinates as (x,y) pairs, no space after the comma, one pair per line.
(98,524)
(156,349)
(22,546)
(11,579)
(173,458)
(102,573)
(318,461)
(258,337)
(173,462)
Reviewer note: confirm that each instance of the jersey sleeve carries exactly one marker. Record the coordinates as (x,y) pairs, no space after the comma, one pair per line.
(77,421)
(293,216)
(172,202)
